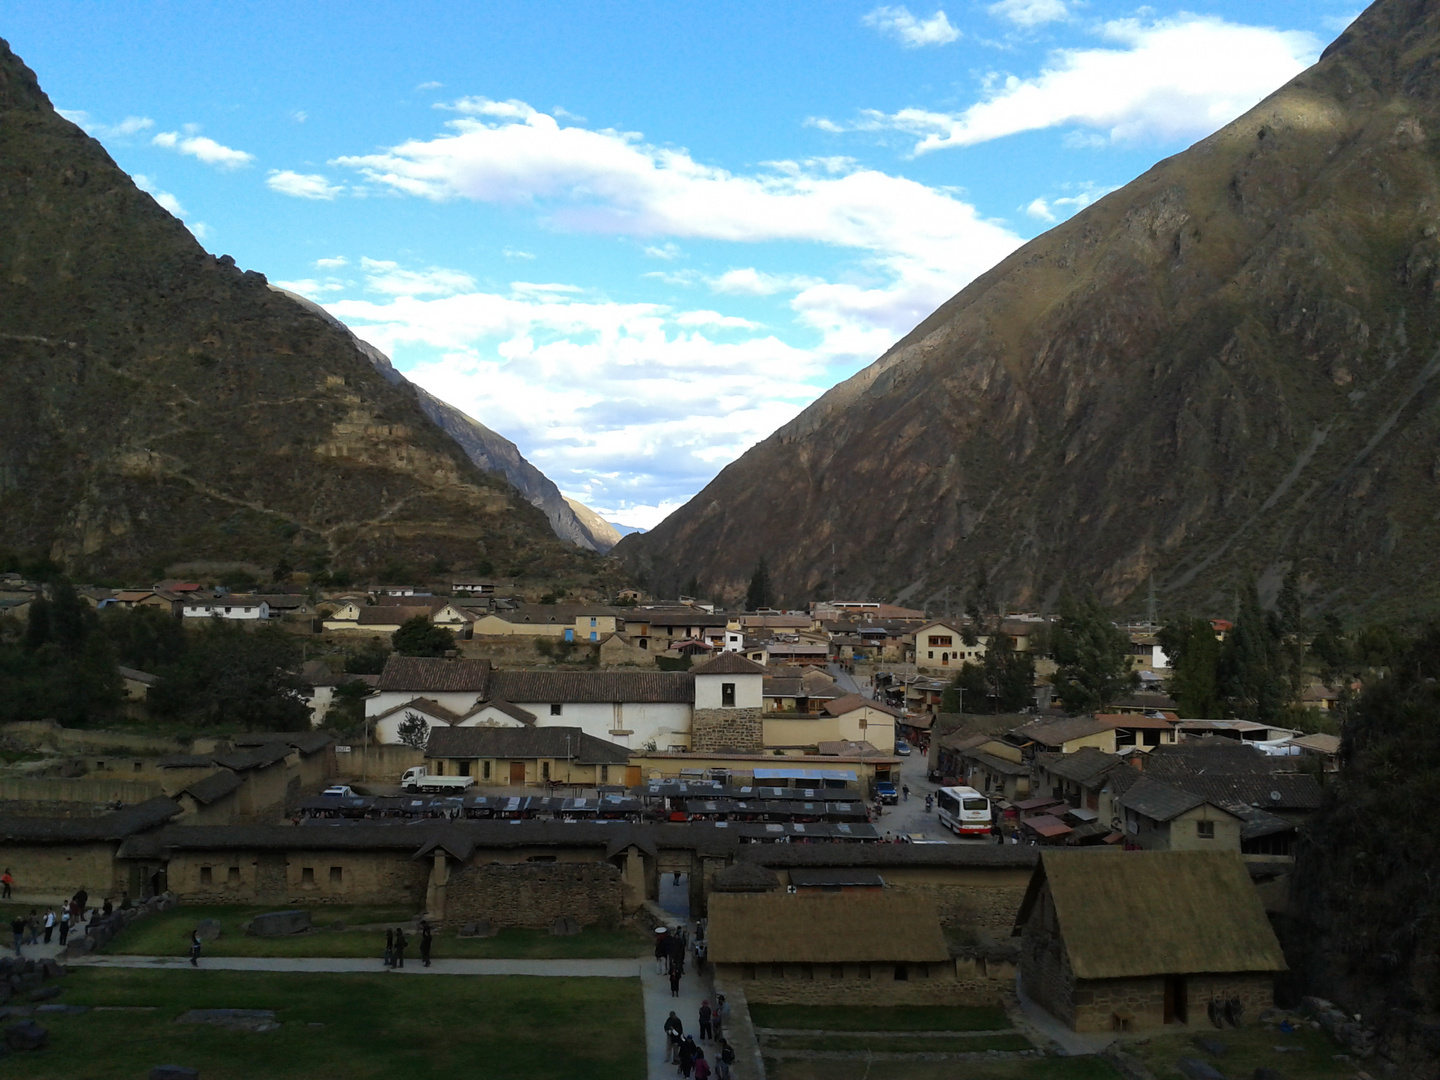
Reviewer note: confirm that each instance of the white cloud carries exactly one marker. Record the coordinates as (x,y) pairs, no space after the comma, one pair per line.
(516,253)
(387,277)
(913,33)
(1029,13)
(752,282)
(1167,80)
(430,86)
(299,116)
(204,148)
(663,251)
(302,185)
(1054,209)
(334,262)
(131,125)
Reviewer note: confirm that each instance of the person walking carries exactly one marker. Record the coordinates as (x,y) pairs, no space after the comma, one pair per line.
(673,1032)
(425,940)
(389,948)
(687,1057)
(64,924)
(32,927)
(702,1067)
(49,925)
(17,927)
(718,1016)
(662,949)
(674,976)
(6,881)
(400,944)
(905,792)
(724,1061)
(705,1014)
(195,948)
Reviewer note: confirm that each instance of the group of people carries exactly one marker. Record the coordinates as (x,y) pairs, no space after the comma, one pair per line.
(686,1054)
(396,943)
(670,951)
(70,916)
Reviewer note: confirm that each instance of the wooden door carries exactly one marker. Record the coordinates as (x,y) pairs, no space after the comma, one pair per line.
(517,773)
(632,775)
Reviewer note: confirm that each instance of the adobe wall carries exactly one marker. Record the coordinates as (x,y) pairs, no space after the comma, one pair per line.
(726,729)
(862,984)
(39,791)
(535,894)
(384,762)
(985,901)
(1097,1000)
(49,872)
(247,877)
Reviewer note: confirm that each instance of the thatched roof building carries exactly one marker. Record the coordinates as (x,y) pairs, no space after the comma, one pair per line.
(784,928)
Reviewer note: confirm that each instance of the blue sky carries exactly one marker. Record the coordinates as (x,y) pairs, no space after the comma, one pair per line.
(636,238)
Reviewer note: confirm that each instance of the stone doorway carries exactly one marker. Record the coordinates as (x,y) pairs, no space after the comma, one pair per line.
(1175,999)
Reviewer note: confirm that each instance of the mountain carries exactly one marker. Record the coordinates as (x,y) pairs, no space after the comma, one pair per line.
(603,535)
(1224,369)
(487,449)
(157,404)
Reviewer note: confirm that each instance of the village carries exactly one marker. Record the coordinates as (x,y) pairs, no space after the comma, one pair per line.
(796,794)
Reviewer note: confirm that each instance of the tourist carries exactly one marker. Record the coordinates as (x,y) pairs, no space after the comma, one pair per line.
(32,928)
(705,1013)
(389,948)
(687,1056)
(726,1059)
(64,924)
(5,882)
(702,1067)
(107,908)
(195,947)
(400,944)
(662,949)
(718,1016)
(81,898)
(17,927)
(49,925)
(905,792)
(674,975)
(425,938)
(673,1031)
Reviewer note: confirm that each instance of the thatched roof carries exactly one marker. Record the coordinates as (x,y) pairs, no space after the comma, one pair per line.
(744,878)
(1194,911)
(859,927)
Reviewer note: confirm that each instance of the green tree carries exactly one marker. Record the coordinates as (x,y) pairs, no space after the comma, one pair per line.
(369,659)
(1291,626)
(758,595)
(1253,675)
(1092,654)
(413,731)
(1331,649)
(144,638)
(1009,674)
(234,677)
(1194,654)
(417,637)
(692,587)
(348,706)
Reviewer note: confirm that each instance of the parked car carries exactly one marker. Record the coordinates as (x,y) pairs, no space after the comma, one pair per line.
(902,748)
(886,792)
(339,791)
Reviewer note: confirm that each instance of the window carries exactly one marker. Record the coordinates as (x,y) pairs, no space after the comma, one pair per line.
(307,877)
(727,694)
(940,641)
(545,770)
(837,971)
(930,656)
(139,766)
(555,708)
(99,764)
(206,877)
(439,768)
(862,971)
(747,971)
(1152,738)
(592,622)
(464,768)
(337,874)
(1205,830)
(902,973)
(232,876)
(604,774)
(485,770)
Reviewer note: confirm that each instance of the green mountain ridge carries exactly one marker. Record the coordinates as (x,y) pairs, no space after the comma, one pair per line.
(160,405)
(1225,369)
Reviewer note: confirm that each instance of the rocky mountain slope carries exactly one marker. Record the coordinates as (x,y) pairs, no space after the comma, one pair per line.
(157,404)
(570,520)
(1225,368)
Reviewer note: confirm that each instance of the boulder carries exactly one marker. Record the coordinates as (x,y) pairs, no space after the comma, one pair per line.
(45,993)
(1195,1069)
(26,1035)
(53,969)
(207,929)
(1213,1047)
(174,1072)
(279,923)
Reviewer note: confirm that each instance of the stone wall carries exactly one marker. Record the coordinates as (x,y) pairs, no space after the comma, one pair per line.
(48,872)
(535,894)
(1097,1000)
(712,730)
(863,984)
(275,878)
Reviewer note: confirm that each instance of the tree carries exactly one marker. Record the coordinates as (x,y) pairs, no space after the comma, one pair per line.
(758,595)
(413,731)
(1252,670)
(1009,674)
(230,676)
(692,587)
(1291,626)
(369,659)
(1331,649)
(417,637)
(144,638)
(1092,654)
(1194,654)
(349,702)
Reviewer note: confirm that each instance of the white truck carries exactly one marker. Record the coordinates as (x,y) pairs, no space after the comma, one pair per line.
(419,779)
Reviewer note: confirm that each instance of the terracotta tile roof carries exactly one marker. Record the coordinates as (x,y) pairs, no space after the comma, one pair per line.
(728,663)
(593,686)
(850,702)
(435,675)
(515,712)
(396,615)
(1086,766)
(1059,732)
(427,706)
(512,743)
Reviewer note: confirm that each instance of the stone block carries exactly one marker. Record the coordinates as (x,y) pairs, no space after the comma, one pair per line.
(26,1035)
(53,969)
(174,1072)
(254,1020)
(565,926)
(45,993)
(1195,1069)
(207,929)
(279,924)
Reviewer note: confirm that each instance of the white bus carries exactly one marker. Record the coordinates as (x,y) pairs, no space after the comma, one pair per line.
(963,810)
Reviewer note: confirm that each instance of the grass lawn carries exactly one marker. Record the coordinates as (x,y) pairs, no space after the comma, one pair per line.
(1049,1068)
(1250,1047)
(348,1027)
(168,934)
(899,1044)
(860,1018)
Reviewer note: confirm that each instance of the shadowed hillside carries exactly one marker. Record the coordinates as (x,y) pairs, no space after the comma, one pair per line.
(1224,368)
